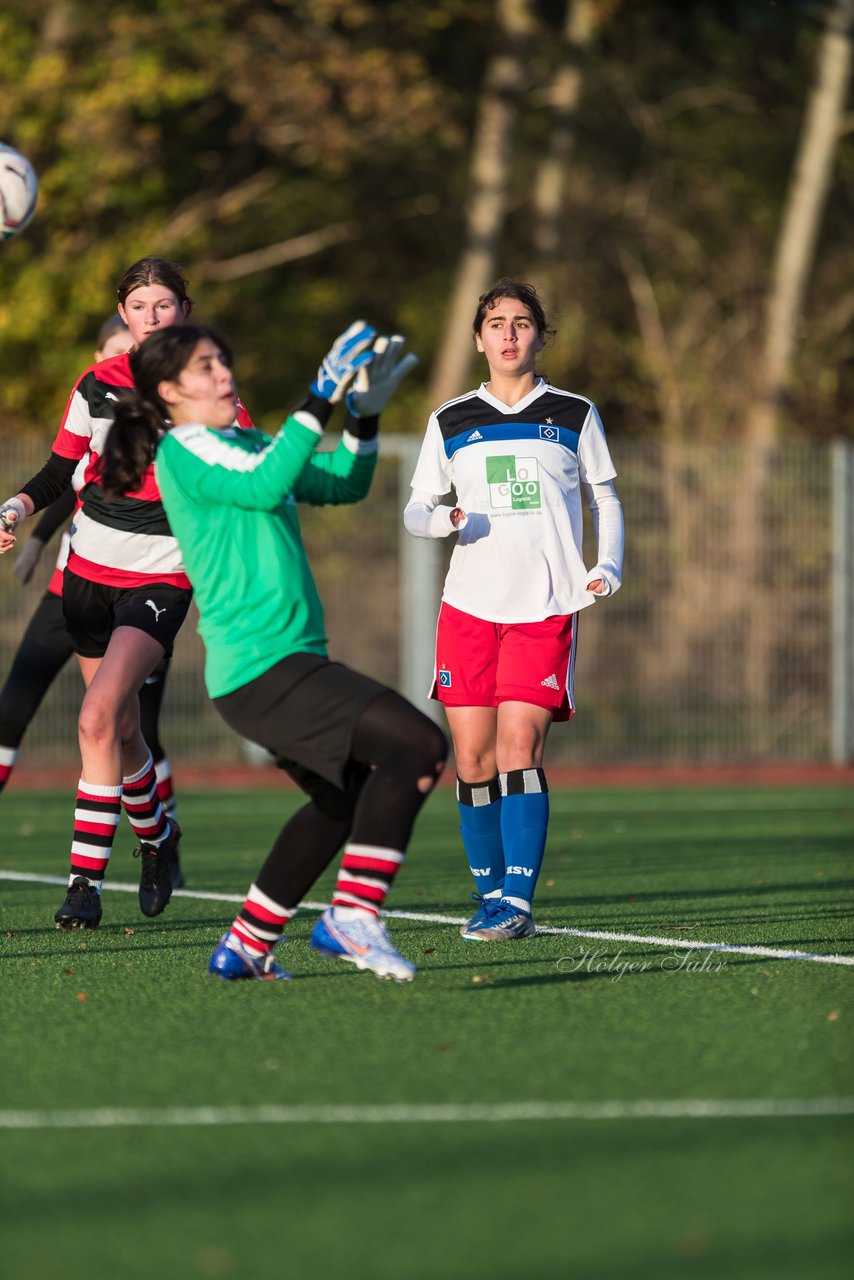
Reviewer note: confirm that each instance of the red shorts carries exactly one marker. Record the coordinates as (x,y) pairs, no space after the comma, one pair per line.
(481,664)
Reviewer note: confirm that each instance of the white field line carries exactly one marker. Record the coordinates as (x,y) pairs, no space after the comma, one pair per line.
(498,1113)
(650,940)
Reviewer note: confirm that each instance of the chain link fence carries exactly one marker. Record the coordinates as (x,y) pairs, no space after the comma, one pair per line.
(730,642)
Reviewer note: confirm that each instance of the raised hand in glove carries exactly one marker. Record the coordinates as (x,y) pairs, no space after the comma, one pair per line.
(348,354)
(376,382)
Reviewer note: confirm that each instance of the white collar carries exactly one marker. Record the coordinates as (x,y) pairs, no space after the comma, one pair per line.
(538,389)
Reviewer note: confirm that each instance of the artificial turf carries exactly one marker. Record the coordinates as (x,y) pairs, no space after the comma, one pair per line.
(127,1017)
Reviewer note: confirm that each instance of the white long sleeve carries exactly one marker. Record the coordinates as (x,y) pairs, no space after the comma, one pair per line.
(424,516)
(610,535)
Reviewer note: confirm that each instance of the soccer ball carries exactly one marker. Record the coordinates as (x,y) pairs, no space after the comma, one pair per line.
(19,189)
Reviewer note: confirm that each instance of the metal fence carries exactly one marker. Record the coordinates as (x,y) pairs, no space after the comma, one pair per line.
(732,640)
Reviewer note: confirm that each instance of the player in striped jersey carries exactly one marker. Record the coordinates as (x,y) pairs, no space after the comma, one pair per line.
(125,595)
(46,645)
(518,452)
(366,758)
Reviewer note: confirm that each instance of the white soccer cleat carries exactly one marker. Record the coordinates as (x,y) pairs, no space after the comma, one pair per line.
(364,942)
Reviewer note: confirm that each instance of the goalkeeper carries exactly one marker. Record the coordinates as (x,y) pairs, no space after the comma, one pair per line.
(365,757)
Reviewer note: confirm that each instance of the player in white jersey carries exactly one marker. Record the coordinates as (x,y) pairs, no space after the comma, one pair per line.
(518,453)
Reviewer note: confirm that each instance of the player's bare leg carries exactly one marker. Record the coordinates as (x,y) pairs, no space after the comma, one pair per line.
(116,765)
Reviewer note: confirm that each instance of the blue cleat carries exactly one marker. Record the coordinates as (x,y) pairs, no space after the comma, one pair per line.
(231,961)
(480,916)
(364,942)
(501,922)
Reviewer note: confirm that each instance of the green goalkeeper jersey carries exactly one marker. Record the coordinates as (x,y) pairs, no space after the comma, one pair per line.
(230,497)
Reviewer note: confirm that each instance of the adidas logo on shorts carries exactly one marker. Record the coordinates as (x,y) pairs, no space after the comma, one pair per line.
(550,682)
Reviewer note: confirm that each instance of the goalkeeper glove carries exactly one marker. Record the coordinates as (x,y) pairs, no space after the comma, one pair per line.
(376,382)
(346,357)
(24,566)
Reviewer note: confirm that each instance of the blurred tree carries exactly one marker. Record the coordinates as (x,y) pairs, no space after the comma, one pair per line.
(804,206)
(490,162)
(212,133)
(581,20)
(311,160)
(808,191)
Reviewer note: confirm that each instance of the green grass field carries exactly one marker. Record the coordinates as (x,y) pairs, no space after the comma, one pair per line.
(406,1180)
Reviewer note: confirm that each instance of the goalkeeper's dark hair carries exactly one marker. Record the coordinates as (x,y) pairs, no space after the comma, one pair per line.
(142,417)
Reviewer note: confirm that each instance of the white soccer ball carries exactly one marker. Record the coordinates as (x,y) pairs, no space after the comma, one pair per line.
(19,190)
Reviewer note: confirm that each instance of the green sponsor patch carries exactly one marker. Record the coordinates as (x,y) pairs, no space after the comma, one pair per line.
(513,483)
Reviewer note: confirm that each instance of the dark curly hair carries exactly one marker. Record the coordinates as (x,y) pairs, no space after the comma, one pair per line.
(506,288)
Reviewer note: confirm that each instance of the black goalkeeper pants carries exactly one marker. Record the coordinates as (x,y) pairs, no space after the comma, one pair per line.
(385,753)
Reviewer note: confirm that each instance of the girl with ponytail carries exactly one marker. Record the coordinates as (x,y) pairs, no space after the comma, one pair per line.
(364,756)
(125,595)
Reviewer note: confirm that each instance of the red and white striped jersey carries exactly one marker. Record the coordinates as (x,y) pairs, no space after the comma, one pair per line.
(121,541)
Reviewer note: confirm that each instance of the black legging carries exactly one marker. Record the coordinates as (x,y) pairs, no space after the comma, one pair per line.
(44,650)
(394,747)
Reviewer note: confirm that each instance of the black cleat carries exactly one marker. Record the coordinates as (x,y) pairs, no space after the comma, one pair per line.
(81,908)
(155,877)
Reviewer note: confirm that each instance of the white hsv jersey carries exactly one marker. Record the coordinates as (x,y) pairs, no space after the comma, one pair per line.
(517,472)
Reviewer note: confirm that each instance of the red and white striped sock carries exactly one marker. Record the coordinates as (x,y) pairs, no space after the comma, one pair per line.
(96,816)
(260,922)
(165,790)
(8,756)
(143,807)
(366,875)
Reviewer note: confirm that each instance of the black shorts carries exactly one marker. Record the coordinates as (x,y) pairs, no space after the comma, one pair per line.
(93,612)
(304,710)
